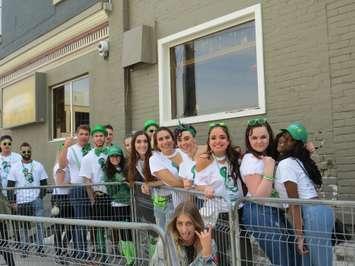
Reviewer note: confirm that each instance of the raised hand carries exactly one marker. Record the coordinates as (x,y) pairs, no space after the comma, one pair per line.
(205,237)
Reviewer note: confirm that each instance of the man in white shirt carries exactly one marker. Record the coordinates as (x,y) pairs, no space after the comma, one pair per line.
(70,158)
(7,158)
(91,170)
(29,202)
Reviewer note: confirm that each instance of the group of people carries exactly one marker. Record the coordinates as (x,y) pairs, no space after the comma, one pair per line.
(162,160)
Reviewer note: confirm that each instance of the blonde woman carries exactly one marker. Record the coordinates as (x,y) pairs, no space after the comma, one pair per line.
(193,243)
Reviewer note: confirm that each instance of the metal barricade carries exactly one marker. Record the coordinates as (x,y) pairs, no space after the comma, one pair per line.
(215,211)
(102,251)
(270,224)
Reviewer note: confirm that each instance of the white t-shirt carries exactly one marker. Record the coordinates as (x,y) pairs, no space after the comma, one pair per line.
(74,157)
(35,173)
(219,177)
(57,190)
(187,168)
(5,166)
(252,165)
(290,170)
(158,162)
(91,168)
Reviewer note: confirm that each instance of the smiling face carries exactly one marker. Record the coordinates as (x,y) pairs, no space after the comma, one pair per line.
(115,160)
(285,143)
(6,146)
(165,142)
(186,229)
(141,145)
(83,137)
(186,141)
(259,139)
(218,141)
(99,139)
(109,136)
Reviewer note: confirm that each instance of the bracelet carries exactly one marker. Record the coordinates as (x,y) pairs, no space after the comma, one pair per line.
(270,178)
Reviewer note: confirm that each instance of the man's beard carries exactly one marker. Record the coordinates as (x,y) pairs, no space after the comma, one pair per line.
(26,157)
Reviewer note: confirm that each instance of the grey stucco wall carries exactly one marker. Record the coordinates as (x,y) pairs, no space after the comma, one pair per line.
(24,21)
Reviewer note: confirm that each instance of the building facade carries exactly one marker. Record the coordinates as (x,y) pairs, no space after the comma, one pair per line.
(194,61)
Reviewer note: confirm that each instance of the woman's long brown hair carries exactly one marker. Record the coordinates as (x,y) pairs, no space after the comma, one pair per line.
(134,157)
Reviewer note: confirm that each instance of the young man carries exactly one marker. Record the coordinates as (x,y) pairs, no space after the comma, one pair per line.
(7,158)
(29,202)
(92,171)
(70,158)
(109,137)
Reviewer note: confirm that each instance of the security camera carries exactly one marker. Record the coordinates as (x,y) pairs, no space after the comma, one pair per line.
(103,48)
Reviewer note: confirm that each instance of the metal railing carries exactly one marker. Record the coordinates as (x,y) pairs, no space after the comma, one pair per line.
(241,237)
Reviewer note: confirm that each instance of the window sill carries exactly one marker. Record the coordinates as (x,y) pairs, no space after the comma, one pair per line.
(211,117)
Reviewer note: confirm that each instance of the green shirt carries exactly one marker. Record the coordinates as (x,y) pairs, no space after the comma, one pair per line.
(120,193)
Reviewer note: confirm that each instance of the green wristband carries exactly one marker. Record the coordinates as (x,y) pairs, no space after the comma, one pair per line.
(270,178)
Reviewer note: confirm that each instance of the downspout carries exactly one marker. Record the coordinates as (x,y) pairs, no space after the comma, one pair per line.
(126,72)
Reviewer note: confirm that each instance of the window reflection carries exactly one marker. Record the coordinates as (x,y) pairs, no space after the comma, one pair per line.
(215,73)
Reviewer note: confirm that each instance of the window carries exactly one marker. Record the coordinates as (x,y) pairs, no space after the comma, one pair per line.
(70,107)
(213,71)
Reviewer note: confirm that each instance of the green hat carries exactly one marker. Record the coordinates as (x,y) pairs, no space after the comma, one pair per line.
(114,150)
(150,122)
(297,131)
(98,128)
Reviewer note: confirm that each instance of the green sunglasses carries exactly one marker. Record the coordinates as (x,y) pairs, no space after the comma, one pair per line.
(259,121)
(217,124)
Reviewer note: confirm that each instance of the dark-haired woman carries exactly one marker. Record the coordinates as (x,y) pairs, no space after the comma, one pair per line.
(138,170)
(164,165)
(265,221)
(297,176)
(217,174)
(120,199)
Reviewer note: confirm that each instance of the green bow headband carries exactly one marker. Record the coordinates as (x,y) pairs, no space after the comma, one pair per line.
(182,127)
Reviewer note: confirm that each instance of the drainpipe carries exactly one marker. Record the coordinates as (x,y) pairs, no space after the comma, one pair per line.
(126,72)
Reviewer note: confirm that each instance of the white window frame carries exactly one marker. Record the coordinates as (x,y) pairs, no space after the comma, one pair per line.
(212,26)
(70,83)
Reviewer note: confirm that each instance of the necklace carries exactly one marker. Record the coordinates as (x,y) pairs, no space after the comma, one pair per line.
(221,158)
(28,174)
(171,155)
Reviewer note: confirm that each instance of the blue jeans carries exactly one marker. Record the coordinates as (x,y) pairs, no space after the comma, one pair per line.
(81,207)
(272,231)
(33,208)
(318,221)
(163,215)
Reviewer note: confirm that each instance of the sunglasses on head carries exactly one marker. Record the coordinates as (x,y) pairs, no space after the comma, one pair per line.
(26,152)
(257,121)
(6,143)
(217,124)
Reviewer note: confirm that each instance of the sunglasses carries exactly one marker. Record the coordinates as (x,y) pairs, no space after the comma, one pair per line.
(6,144)
(257,121)
(217,124)
(152,130)
(26,152)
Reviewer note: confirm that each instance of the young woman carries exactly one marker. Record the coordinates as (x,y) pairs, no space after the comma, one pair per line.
(266,221)
(193,243)
(138,170)
(217,174)
(297,176)
(164,165)
(120,200)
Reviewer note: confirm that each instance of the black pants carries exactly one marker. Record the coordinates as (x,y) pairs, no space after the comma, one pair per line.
(9,258)
(65,211)
(222,238)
